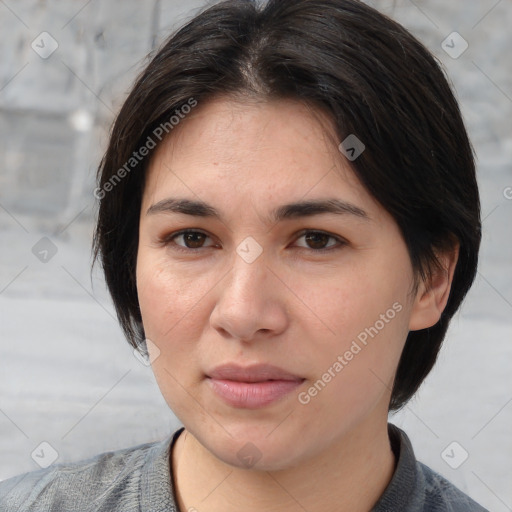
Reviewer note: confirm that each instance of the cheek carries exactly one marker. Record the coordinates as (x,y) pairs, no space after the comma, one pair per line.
(168,298)
(359,340)
(354,372)
(347,304)
(171,315)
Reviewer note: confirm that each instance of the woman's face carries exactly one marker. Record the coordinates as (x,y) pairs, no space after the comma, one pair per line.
(323,296)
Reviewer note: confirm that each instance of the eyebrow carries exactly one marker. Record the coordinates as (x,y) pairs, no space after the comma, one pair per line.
(288,211)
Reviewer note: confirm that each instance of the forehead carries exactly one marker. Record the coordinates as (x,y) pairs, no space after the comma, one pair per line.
(256,150)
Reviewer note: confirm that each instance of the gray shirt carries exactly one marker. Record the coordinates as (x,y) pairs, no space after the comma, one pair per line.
(139,479)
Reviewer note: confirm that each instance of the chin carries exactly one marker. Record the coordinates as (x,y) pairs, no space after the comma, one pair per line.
(253,449)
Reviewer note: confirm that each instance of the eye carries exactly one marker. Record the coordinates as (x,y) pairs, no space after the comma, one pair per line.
(187,239)
(319,241)
(193,240)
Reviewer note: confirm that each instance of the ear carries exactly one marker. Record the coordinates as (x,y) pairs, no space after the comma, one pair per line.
(432,296)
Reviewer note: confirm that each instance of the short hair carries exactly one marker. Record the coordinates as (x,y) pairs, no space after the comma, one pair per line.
(371,76)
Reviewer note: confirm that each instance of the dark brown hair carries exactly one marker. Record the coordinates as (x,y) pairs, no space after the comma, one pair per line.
(372,77)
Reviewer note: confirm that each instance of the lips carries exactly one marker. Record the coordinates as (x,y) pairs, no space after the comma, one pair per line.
(255,373)
(252,387)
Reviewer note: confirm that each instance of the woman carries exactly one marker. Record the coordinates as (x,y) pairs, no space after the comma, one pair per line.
(289,218)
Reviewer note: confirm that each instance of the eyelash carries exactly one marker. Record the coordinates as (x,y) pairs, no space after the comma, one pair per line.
(168,241)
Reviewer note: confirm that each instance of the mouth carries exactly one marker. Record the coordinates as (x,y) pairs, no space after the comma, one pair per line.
(252,387)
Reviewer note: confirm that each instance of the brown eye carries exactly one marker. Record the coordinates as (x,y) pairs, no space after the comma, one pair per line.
(193,239)
(188,240)
(320,241)
(317,240)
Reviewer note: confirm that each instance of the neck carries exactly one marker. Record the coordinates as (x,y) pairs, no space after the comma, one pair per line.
(350,476)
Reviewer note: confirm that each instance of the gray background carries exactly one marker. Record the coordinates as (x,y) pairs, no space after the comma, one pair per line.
(67,376)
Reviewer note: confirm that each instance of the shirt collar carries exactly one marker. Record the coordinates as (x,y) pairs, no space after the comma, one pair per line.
(159,495)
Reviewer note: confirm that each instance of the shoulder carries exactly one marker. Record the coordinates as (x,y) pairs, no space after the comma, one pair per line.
(415,487)
(102,482)
(440,494)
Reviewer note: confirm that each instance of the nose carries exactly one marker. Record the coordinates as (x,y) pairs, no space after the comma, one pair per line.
(251,303)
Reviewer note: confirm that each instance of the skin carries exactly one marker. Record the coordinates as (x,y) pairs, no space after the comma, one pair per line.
(295,307)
